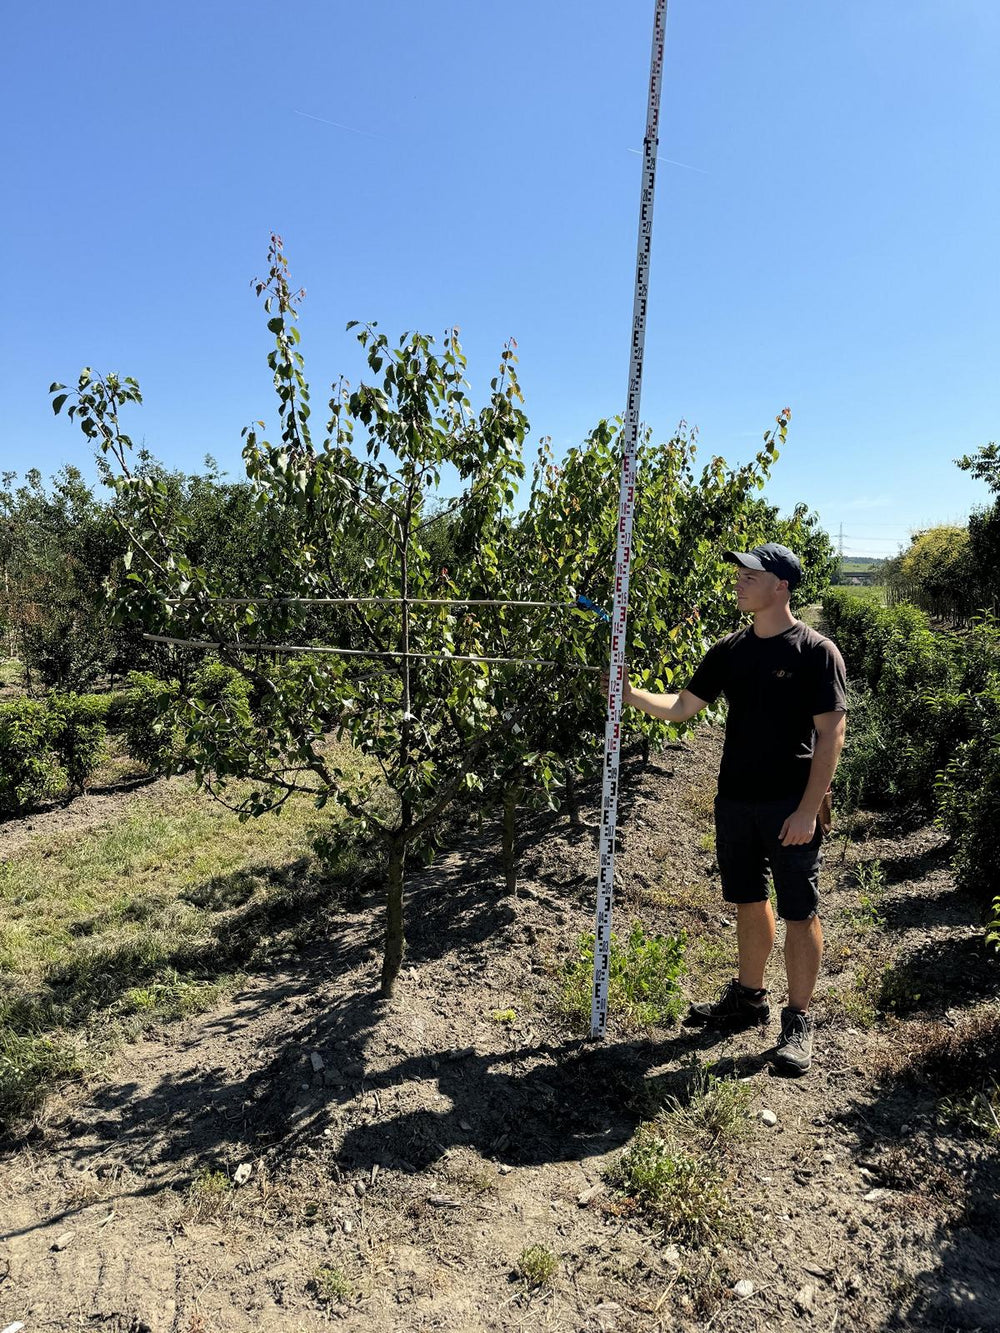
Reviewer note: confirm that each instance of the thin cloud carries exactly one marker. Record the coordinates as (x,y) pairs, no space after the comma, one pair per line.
(686,165)
(351,129)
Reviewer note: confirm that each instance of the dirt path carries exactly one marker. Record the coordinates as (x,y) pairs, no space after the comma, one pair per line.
(402,1155)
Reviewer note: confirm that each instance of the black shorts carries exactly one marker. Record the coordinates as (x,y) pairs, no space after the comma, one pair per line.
(747,848)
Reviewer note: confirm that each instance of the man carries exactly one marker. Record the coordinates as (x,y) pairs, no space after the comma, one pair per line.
(786,689)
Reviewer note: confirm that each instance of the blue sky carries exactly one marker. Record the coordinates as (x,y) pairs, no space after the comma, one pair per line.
(830,242)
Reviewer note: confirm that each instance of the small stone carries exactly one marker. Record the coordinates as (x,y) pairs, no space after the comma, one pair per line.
(873,1195)
(743,1288)
(317,1061)
(464,1124)
(62,1241)
(439,1201)
(242,1173)
(672,1255)
(585,1196)
(805,1298)
(360,1188)
(503,1168)
(768,1117)
(348,1226)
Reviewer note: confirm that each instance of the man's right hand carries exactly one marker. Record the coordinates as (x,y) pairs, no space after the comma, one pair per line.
(626,688)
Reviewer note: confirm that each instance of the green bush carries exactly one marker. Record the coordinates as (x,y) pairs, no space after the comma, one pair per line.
(79,733)
(219,722)
(145,714)
(906,713)
(28,768)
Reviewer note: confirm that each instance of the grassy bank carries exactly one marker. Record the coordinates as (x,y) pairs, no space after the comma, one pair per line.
(146,917)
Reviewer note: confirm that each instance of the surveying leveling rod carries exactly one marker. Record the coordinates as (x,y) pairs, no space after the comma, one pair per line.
(619,617)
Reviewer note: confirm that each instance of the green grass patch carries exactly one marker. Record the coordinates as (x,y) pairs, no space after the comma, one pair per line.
(714,1111)
(11,674)
(146,918)
(643,979)
(871,592)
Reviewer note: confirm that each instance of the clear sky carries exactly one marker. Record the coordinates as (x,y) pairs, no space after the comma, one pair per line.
(830,241)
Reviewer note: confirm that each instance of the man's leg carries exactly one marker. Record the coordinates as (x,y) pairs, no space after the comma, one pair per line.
(796,881)
(803,953)
(755,938)
(743,871)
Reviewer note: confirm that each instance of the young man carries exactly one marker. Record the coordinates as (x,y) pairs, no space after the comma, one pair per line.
(786,689)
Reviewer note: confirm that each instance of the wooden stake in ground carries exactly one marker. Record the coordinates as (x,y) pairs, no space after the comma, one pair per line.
(626,503)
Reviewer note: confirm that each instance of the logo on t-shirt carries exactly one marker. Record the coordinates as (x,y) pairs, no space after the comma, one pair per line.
(781,675)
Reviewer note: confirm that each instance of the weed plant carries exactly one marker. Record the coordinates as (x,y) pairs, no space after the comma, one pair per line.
(537,1266)
(683,1191)
(333,1285)
(207,1195)
(643,979)
(715,1111)
(871,886)
(976,1112)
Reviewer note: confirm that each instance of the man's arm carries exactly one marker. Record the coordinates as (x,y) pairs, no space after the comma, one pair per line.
(800,826)
(667,707)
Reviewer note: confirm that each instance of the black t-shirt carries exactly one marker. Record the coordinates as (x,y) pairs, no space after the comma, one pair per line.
(774,688)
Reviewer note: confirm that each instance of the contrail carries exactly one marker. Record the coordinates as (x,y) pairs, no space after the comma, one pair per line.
(337,125)
(685,165)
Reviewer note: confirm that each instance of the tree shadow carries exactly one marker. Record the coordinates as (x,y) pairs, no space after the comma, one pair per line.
(913,867)
(949,973)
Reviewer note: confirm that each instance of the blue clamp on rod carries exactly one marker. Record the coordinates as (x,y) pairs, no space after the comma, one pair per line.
(585,604)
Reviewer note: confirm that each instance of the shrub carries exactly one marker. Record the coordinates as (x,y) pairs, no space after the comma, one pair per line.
(28,769)
(79,733)
(145,713)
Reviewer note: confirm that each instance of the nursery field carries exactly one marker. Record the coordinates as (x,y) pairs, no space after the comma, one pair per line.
(244,1136)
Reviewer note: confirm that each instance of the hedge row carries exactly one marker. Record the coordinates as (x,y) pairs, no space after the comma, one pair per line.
(51,746)
(925,725)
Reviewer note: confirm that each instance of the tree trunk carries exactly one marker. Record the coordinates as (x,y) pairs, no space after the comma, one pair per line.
(573,800)
(394,939)
(510,798)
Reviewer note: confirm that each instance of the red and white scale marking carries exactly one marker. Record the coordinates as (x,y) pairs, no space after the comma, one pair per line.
(619,617)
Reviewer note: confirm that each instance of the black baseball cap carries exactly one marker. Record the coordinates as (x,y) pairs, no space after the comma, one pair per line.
(770,559)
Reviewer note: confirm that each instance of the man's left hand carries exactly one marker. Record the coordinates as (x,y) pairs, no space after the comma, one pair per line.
(798,829)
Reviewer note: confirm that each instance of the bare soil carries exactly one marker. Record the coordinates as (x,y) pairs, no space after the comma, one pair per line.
(413,1148)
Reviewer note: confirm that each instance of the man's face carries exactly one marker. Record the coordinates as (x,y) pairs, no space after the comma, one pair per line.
(756,590)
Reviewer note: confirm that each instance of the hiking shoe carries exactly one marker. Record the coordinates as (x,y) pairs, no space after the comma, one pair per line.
(733,1008)
(793,1053)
